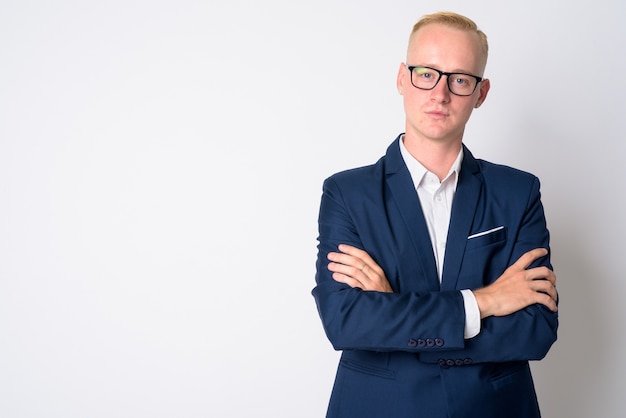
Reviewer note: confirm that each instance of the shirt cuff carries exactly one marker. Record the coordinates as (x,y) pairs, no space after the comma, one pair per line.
(472,314)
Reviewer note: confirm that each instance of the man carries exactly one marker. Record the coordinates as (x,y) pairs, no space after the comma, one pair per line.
(433,271)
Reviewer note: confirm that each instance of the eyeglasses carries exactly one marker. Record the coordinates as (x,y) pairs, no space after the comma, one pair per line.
(426,78)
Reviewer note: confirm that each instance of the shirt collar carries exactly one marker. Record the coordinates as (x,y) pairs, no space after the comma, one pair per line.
(418,171)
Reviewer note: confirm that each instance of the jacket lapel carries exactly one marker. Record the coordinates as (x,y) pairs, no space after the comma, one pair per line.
(405,197)
(463,210)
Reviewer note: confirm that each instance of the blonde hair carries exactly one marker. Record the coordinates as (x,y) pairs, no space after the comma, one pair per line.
(455,21)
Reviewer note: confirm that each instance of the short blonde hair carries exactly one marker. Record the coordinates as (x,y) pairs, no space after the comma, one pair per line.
(456,21)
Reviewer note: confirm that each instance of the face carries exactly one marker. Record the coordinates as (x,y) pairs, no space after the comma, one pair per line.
(438,115)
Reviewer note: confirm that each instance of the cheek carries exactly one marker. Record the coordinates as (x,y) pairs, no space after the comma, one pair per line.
(464,110)
(411,111)
(468,112)
(412,101)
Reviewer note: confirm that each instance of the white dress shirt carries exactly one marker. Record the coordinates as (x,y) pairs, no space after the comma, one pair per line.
(436,200)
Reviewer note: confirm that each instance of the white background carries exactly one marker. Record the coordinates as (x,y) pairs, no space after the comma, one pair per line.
(161,166)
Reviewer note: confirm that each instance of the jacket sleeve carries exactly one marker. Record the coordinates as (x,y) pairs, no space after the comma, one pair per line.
(368,320)
(524,335)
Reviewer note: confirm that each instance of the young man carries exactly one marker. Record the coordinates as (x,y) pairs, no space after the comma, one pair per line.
(433,271)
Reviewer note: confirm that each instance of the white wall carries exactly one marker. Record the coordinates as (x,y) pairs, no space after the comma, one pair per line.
(160,172)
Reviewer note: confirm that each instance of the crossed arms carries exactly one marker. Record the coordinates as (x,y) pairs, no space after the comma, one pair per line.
(517,288)
(375,298)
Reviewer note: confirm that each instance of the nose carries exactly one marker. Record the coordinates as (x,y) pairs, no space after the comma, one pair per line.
(441,92)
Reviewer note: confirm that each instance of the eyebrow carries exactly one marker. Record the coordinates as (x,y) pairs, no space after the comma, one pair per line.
(457,70)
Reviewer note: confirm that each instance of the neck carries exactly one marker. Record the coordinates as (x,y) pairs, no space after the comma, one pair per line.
(437,157)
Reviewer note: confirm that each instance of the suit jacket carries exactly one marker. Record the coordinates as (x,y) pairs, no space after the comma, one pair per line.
(404,354)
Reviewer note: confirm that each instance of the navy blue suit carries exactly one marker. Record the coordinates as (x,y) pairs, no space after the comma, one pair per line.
(404,354)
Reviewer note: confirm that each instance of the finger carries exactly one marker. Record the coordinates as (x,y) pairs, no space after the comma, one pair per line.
(351,250)
(357,253)
(353,273)
(529,257)
(545,287)
(343,269)
(347,260)
(360,256)
(352,261)
(350,281)
(541,273)
(547,301)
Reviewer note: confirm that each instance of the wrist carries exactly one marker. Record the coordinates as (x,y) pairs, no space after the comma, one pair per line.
(484,302)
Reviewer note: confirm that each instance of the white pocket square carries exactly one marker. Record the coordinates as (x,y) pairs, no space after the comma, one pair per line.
(480,234)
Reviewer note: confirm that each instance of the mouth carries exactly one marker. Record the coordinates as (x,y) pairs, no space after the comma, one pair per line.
(437,114)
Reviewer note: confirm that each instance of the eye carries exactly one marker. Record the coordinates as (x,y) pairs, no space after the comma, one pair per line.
(425,73)
(461,80)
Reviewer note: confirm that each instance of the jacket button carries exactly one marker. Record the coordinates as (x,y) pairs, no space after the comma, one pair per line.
(459,362)
(467,361)
(438,342)
(421,343)
(412,343)
(443,364)
(450,363)
(430,342)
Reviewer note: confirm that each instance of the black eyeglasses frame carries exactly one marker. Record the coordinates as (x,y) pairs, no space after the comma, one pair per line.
(441,74)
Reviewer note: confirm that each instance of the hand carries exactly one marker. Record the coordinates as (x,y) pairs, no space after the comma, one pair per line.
(356,268)
(519,287)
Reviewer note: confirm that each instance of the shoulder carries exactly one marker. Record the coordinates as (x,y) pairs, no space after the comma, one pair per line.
(359,174)
(356,183)
(503,172)
(371,175)
(493,172)
(505,183)
(498,179)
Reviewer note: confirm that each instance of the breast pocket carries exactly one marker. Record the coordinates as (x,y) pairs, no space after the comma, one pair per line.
(486,237)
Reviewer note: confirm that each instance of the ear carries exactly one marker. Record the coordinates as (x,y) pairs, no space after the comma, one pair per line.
(402,78)
(485,85)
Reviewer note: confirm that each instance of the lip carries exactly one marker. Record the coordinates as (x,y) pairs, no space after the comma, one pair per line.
(437,114)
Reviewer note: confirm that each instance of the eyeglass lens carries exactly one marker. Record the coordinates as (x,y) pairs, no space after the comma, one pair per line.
(458,83)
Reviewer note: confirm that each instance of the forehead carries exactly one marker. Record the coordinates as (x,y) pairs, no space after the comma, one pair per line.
(446,48)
